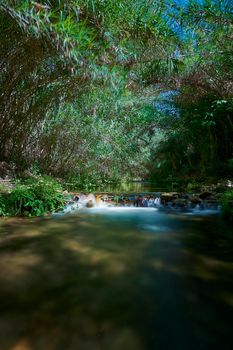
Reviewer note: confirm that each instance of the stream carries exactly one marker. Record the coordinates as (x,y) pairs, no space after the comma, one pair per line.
(117,278)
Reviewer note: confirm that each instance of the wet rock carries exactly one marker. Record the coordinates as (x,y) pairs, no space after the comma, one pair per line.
(181,202)
(195,200)
(91,197)
(206,195)
(99,199)
(166,197)
(90,204)
(184,196)
(76,198)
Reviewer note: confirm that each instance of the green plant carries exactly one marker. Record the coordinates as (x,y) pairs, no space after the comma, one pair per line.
(230,163)
(227,205)
(34,197)
(84,99)
(21,200)
(3,210)
(48,193)
(193,186)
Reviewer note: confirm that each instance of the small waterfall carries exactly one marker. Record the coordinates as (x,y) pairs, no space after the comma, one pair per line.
(157,201)
(178,203)
(111,200)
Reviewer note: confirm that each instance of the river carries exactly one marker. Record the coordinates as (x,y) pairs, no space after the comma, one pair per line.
(116,279)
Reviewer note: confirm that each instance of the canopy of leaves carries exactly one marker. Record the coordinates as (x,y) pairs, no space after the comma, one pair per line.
(199,142)
(81,85)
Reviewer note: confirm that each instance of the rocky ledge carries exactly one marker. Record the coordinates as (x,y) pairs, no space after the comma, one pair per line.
(172,200)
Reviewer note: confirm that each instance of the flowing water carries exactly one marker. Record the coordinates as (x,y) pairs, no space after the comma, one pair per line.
(116,279)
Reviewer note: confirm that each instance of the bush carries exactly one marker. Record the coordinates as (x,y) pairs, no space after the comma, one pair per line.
(4,192)
(89,182)
(193,186)
(48,194)
(3,211)
(227,205)
(34,197)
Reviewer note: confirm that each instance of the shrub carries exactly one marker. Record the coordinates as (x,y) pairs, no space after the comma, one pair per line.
(89,182)
(48,194)
(227,205)
(4,192)
(34,197)
(21,200)
(3,210)
(193,187)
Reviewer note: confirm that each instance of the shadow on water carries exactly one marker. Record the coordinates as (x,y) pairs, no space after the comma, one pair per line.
(116,280)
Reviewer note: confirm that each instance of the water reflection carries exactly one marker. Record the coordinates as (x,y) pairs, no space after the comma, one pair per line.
(121,279)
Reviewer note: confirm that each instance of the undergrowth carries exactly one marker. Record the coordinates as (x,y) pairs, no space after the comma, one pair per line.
(227,205)
(32,197)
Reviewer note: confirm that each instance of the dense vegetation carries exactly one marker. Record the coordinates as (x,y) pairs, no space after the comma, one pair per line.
(76,95)
(96,91)
(227,205)
(32,197)
(199,142)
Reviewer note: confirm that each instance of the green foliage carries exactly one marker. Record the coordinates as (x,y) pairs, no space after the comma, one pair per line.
(193,186)
(79,107)
(227,205)
(81,103)
(3,206)
(4,192)
(230,163)
(198,142)
(85,183)
(34,197)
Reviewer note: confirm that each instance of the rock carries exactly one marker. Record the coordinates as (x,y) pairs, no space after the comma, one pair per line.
(166,197)
(76,198)
(181,202)
(90,204)
(91,197)
(206,195)
(184,196)
(195,200)
(98,199)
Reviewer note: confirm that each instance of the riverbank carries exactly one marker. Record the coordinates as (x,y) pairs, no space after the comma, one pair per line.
(204,203)
(42,195)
